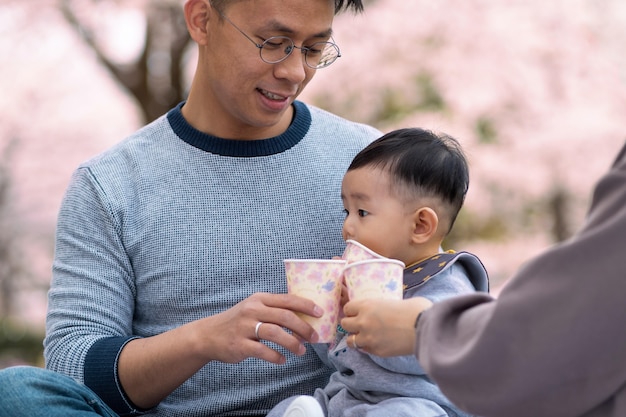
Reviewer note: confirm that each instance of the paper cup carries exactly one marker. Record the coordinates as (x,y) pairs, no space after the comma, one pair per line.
(318,280)
(357,252)
(375,278)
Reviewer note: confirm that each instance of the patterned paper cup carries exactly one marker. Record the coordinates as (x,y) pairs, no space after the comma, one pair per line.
(318,280)
(375,278)
(357,252)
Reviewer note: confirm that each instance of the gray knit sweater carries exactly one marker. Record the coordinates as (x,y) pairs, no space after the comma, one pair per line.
(172,225)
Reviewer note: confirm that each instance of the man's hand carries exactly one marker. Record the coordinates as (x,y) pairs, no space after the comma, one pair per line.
(233,334)
(151,368)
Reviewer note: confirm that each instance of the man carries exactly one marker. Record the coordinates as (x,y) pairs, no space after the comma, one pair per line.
(168,291)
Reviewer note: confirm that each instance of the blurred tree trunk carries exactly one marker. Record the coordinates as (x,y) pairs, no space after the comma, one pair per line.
(558,209)
(156,77)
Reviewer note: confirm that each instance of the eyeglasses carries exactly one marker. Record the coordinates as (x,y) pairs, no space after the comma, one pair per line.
(277,48)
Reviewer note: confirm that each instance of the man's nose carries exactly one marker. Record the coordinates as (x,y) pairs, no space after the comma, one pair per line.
(292,68)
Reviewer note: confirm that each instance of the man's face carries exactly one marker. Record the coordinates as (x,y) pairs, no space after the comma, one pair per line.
(244,95)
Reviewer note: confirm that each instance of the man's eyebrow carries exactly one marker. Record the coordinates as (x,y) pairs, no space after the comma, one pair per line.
(280,27)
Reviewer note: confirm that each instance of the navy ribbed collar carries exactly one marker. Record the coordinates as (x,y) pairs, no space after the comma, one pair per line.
(242,148)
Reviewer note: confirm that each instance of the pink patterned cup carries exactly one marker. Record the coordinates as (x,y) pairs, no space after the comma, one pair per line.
(355,251)
(318,280)
(375,278)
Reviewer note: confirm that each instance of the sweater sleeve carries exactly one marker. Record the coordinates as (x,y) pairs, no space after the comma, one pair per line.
(553,343)
(91,299)
(101,374)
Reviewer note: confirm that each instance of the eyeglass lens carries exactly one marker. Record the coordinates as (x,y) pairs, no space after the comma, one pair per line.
(318,55)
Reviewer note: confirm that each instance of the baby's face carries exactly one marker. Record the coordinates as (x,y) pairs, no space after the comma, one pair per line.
(375,217)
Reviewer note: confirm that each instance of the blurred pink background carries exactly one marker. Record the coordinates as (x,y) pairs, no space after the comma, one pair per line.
(534,90)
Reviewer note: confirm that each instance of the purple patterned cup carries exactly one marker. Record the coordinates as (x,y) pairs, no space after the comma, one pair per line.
(318,280)
(355,251)
(375,278)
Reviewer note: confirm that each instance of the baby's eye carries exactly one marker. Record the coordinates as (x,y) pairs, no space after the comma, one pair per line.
(346,212)
(363,213)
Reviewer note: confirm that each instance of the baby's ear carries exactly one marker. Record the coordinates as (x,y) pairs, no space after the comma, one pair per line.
(425,224)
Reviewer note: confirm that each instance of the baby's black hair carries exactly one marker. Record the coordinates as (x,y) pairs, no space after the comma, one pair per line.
(428,164)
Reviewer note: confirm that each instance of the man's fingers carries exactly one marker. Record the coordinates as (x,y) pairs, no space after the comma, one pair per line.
(273,333)
(284,311)
(293,303)
(259,350)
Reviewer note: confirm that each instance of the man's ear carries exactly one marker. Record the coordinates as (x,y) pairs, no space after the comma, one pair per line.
(197,16)
(425,224)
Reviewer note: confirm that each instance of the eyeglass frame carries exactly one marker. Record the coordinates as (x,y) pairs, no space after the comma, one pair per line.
(305,50)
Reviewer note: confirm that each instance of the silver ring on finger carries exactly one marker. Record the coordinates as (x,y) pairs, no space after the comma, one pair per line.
(256,330)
